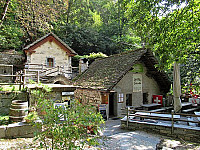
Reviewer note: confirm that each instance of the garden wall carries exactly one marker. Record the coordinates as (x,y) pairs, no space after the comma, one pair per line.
(187,133)
(16,130)
(6,99)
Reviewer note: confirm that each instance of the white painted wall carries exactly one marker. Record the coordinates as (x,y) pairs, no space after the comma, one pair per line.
(125,86)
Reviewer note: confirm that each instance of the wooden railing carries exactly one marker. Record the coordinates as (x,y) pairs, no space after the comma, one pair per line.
(45,71)
(35,72)
(20,78)
(161,116)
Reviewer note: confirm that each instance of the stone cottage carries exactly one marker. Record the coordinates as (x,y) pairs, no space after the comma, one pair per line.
(126,79)
(50,56)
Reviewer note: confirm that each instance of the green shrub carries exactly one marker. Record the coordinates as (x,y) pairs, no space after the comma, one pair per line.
(4,120)
(67,127)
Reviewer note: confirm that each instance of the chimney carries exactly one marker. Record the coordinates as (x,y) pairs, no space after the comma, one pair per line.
(83,65)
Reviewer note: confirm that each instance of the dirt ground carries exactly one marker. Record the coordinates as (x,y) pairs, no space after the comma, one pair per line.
(113,138)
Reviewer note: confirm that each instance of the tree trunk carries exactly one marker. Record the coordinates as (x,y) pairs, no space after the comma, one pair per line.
(4,11)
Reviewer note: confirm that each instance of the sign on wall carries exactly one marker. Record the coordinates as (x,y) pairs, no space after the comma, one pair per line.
(158,99)
(137,83)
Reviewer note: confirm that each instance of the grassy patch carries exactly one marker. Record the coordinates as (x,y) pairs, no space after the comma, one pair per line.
(9,88)
(4,120)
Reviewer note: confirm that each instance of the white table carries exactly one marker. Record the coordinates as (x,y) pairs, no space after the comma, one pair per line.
(151,106)
(158,115)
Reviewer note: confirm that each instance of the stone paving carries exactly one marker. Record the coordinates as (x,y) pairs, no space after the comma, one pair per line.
(115,138)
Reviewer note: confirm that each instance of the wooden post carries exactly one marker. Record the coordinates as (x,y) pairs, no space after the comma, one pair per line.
(24,78)
(58,69)
(38,76)
(12,73)
(127,114)
(172,122)
(20,80)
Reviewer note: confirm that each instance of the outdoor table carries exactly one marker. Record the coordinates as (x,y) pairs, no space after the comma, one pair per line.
(158,115)
(150,106)
(186,104)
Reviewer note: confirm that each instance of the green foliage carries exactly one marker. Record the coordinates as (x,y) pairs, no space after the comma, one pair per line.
(109,27)
(31,117)
(173,34)
(10,37)
(4,120)
(65,127)
(91,57)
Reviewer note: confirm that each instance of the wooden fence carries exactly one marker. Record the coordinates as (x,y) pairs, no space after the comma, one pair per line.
(20,78)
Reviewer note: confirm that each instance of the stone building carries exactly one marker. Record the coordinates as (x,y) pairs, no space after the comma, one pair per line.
(11,61)
(50,56)
(126,79)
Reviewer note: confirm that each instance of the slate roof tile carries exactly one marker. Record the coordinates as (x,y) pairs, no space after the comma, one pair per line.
(105,73)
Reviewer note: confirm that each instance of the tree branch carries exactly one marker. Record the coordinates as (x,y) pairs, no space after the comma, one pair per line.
(4,11)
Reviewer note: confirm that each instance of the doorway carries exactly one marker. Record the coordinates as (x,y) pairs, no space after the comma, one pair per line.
(145,98)
(111,105)
(128,99)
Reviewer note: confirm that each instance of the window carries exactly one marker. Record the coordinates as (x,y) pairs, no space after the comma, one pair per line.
(121,98)
(50,62)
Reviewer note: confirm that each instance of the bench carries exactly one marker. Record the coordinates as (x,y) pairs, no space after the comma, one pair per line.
(198,118)
(157,115)
(191,110)
(150,106)
(191,123)
(158,110)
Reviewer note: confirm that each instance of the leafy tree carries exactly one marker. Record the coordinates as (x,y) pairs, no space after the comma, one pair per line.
(91,57)
(173,34)
(3,14)
(10,32)
(65,127)
(10,37)
(35,16)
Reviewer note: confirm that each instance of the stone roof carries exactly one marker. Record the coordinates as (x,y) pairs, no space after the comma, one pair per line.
(105,73)
(33,45)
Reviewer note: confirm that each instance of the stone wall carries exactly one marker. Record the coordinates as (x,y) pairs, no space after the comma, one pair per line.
(185,132)
(11,58)
(6,99)
(55,96)
(87,96)
(16,130)
(50,50)
(6,70)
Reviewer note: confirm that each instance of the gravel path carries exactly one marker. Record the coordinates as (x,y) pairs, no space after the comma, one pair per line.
(115,138)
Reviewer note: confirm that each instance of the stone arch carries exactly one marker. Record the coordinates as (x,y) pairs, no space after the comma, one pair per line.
(60,79)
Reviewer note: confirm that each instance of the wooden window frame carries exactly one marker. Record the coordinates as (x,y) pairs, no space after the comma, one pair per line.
(48,62)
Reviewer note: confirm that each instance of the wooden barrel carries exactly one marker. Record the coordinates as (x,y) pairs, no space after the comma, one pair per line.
(18,110)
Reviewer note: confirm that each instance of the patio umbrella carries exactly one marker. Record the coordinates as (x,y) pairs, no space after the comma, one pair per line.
(177,88)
